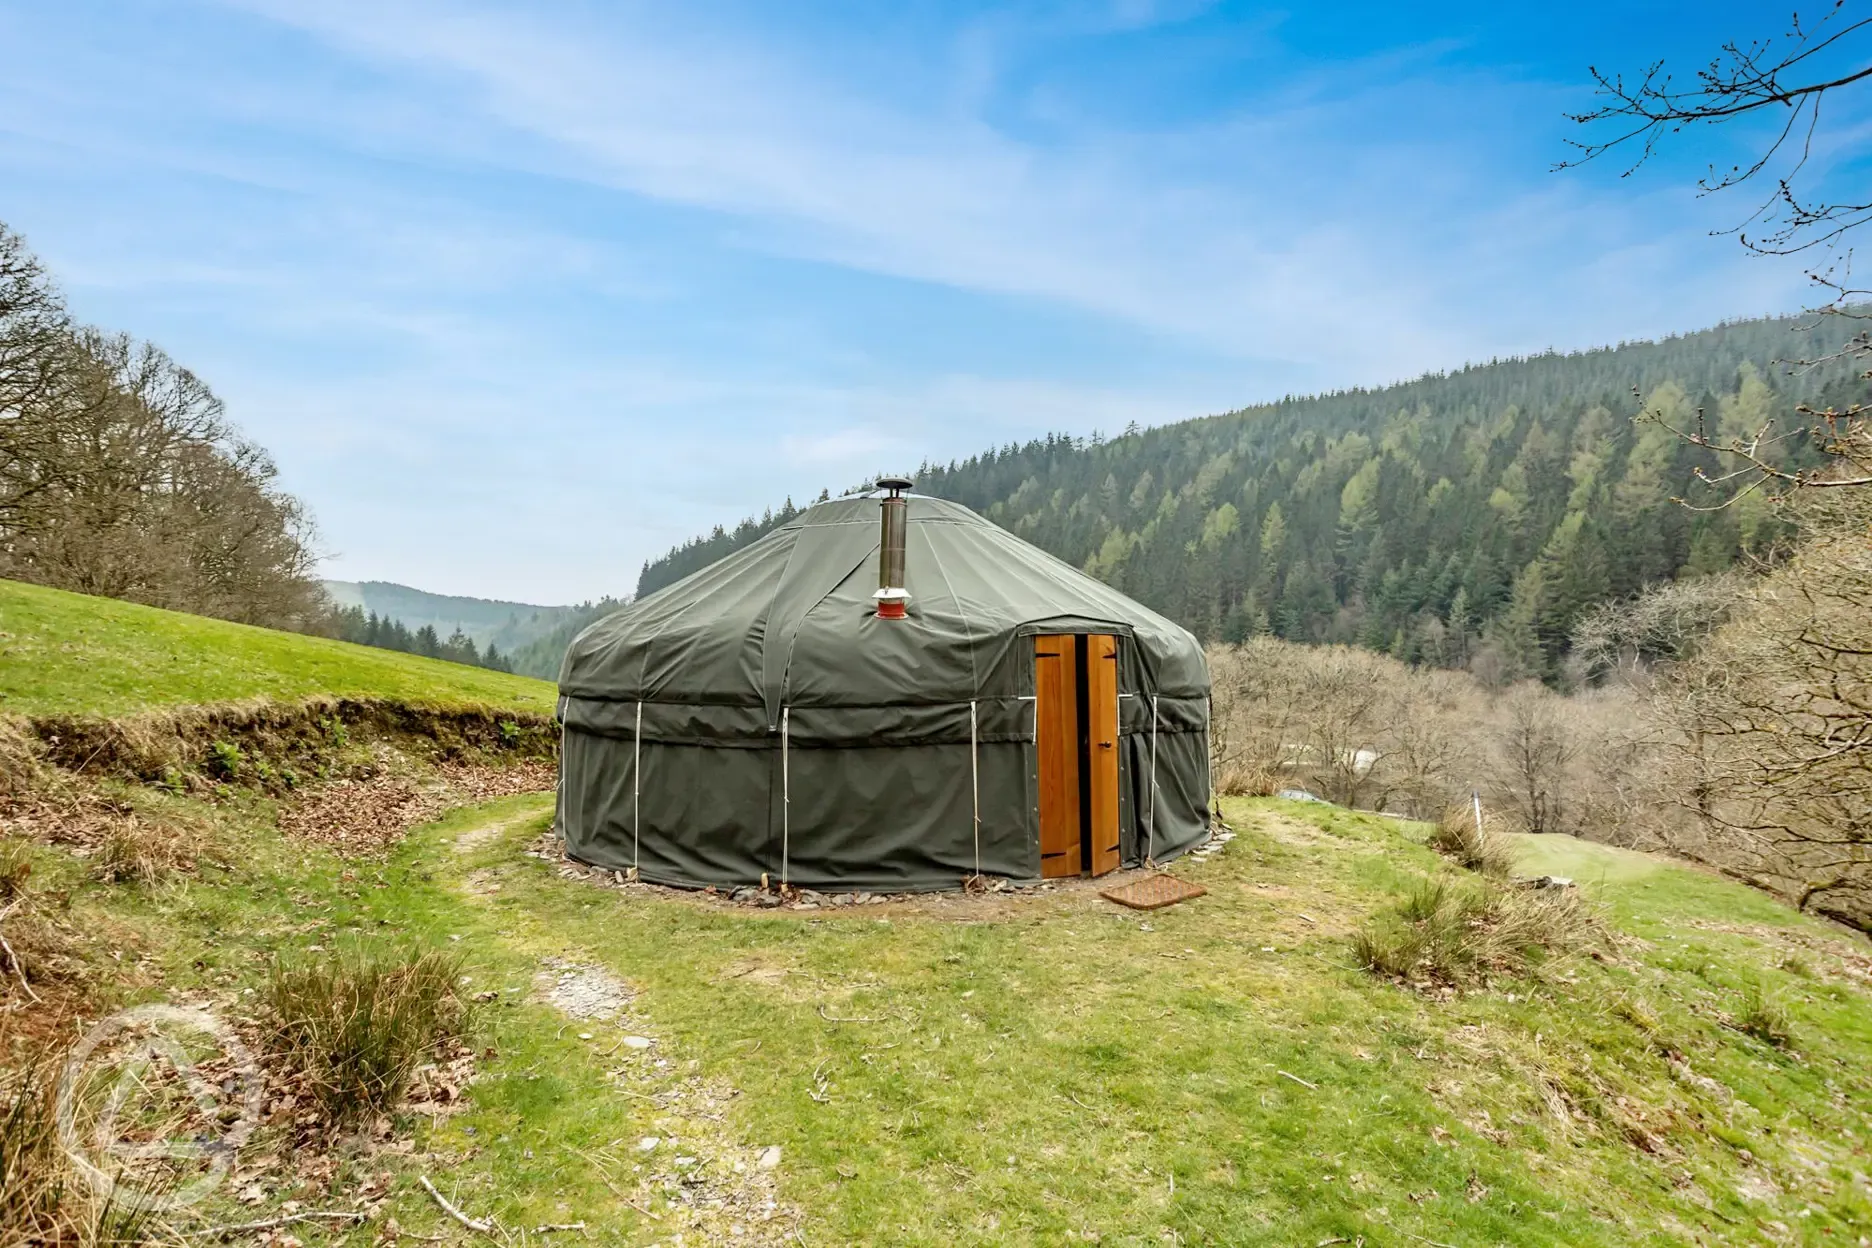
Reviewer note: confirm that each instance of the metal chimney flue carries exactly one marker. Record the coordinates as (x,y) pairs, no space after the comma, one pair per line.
(892,597)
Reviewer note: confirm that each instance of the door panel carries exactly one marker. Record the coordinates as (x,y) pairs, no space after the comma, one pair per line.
(1056,718)
(1102,746)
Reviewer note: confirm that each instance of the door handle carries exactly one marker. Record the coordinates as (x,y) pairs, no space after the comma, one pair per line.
(1105,745)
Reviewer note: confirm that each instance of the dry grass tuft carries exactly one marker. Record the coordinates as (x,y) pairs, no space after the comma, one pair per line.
(41,963)
(356,1026)
(1456,932)
(1765,1016)
(1482,849)
(15,870)
(44,1199)
(134,851)
(22,759)
(1236,780)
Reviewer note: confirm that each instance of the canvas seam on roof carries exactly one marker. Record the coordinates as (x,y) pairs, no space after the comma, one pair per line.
(786,671)
(974,672)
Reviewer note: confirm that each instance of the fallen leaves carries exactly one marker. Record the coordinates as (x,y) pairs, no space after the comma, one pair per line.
(365,818)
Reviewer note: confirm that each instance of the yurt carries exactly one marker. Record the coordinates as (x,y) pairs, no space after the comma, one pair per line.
(888,693)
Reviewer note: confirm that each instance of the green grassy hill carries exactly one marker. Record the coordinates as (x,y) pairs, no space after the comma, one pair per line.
(1037,1068)
(1052,1069)
(64,653)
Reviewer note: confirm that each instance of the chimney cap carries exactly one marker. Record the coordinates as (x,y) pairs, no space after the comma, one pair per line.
(893,484)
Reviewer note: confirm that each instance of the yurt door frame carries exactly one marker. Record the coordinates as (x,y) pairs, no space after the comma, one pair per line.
(1076,731)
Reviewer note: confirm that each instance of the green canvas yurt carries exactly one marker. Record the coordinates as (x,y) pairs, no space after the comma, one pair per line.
(886,693)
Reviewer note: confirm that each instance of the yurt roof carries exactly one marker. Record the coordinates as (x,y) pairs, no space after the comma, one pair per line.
(790,619)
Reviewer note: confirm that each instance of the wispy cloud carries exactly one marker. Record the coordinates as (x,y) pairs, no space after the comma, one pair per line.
(1233,232)
(487,275)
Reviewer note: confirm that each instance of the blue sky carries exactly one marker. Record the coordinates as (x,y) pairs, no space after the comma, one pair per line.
(520,295)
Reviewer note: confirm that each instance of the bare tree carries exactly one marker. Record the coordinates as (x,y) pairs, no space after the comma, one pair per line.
(1773,749)
(120,474)
(1660,627)
(1534,755)
(1787,79)
(34,332)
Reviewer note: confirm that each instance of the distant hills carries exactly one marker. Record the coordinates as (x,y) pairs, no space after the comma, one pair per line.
(1458,519)
(531,636)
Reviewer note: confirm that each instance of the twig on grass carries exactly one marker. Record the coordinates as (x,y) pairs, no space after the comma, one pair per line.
(547,1228)
(598,1168)
(473,1224)
(1312,1087)
(13,958)
(1434,1243)
(267,1224)
(833,1018)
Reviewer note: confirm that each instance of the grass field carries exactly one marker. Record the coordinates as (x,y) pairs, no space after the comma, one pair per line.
(63,653)
(1057,1070)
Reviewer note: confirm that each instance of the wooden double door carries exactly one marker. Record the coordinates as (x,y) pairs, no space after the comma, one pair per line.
(1076,731)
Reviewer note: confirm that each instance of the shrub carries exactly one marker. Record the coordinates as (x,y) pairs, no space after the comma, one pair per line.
(1457,932)
(226,759)
(356,1026)
(1765,1016)
(336,734)
(1238,780)
(1457,837)
(1388,949)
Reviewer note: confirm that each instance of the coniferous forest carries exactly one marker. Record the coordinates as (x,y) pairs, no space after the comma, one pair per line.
(1461,519)
(370,629)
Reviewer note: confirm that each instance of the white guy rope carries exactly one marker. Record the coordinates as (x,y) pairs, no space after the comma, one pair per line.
(975,784)
(786,796)
(559,822)
(1209,763)
(1150,835)
(636,786)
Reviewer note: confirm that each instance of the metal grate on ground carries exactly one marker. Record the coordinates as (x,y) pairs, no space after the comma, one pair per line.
(1153,892)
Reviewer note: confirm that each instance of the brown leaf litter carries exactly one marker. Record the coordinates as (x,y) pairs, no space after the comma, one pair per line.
(367,817)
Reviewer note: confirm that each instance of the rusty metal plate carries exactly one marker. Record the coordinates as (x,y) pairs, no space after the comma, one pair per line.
(1153,892)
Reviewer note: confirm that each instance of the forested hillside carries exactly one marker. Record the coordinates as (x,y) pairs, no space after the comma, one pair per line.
(504,625)
(1462,518)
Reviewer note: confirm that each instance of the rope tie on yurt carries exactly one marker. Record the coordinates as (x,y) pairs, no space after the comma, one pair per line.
(1150,835)
(786,798)
(1208,764)
(975,784)
(636,788)
(560,784)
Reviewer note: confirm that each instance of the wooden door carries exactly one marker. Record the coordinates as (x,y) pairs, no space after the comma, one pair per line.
(1101,668)
(1056,733)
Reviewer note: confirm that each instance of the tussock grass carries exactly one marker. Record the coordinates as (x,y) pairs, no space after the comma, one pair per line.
(15,870)
(37,946)
(1479,849)
(1460,932)
(45,1201)
(1764,1015)
(136,852)
(355,1026)
(1236,780)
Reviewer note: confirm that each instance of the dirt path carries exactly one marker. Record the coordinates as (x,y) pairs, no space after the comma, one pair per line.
(686,1166)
